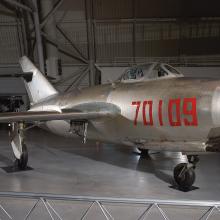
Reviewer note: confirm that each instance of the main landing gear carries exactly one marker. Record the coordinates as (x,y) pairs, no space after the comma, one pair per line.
(184,173)
(18,146)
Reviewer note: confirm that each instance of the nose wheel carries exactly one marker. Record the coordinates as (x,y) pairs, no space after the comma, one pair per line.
(184,176)
(184,173)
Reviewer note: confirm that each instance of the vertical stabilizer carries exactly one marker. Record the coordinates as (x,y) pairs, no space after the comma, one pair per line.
(38,87)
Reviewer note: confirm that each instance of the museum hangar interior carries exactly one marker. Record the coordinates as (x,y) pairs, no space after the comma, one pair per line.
(122,46)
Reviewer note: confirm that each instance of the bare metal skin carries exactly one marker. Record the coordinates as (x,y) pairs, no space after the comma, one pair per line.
(121,129)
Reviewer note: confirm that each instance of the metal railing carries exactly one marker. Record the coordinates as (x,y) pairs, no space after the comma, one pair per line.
(106,206)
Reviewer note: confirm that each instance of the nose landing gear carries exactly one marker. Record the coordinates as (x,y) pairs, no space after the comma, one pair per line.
(184,173)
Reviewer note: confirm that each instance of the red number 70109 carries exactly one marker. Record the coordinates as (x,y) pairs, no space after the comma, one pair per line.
(177,115)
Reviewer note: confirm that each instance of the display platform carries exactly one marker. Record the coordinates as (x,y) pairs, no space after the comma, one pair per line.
(66,166)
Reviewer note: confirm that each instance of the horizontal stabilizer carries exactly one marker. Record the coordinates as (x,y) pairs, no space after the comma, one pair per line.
(27,76)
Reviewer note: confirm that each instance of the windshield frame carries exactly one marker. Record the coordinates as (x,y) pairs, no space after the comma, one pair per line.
(145,69)
(148,71)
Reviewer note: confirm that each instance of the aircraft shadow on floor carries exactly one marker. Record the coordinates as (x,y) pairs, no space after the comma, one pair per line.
(126,157)
(159,164)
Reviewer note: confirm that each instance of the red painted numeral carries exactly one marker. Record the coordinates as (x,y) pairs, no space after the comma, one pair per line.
(177,115)
(160,116)
(174,103)
(137,104)
(146,122)
(187,103)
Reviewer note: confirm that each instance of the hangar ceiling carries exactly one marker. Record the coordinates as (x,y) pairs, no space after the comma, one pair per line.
(155,9)
(114,32)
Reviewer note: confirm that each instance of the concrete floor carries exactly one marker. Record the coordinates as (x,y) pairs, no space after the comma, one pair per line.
(65,166)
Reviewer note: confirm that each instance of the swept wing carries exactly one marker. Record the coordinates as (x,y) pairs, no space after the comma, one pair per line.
(32,116)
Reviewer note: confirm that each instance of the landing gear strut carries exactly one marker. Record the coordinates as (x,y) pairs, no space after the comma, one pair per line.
(184,173)
(79,128)
(144,152)
(18,146)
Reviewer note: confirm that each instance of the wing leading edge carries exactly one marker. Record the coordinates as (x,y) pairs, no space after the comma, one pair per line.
(32,116)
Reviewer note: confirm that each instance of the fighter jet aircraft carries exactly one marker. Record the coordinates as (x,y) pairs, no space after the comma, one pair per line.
(150,106)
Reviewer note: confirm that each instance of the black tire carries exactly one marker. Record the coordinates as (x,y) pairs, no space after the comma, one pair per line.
(143,151)
(187,178)
(22,162)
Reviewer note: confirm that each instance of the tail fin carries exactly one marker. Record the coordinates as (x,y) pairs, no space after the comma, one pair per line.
(39,87)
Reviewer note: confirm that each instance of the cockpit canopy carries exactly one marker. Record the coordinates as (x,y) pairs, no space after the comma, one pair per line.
(149,71)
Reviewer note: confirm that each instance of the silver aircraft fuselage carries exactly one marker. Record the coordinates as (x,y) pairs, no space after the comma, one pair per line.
(153,113)
(151,106)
